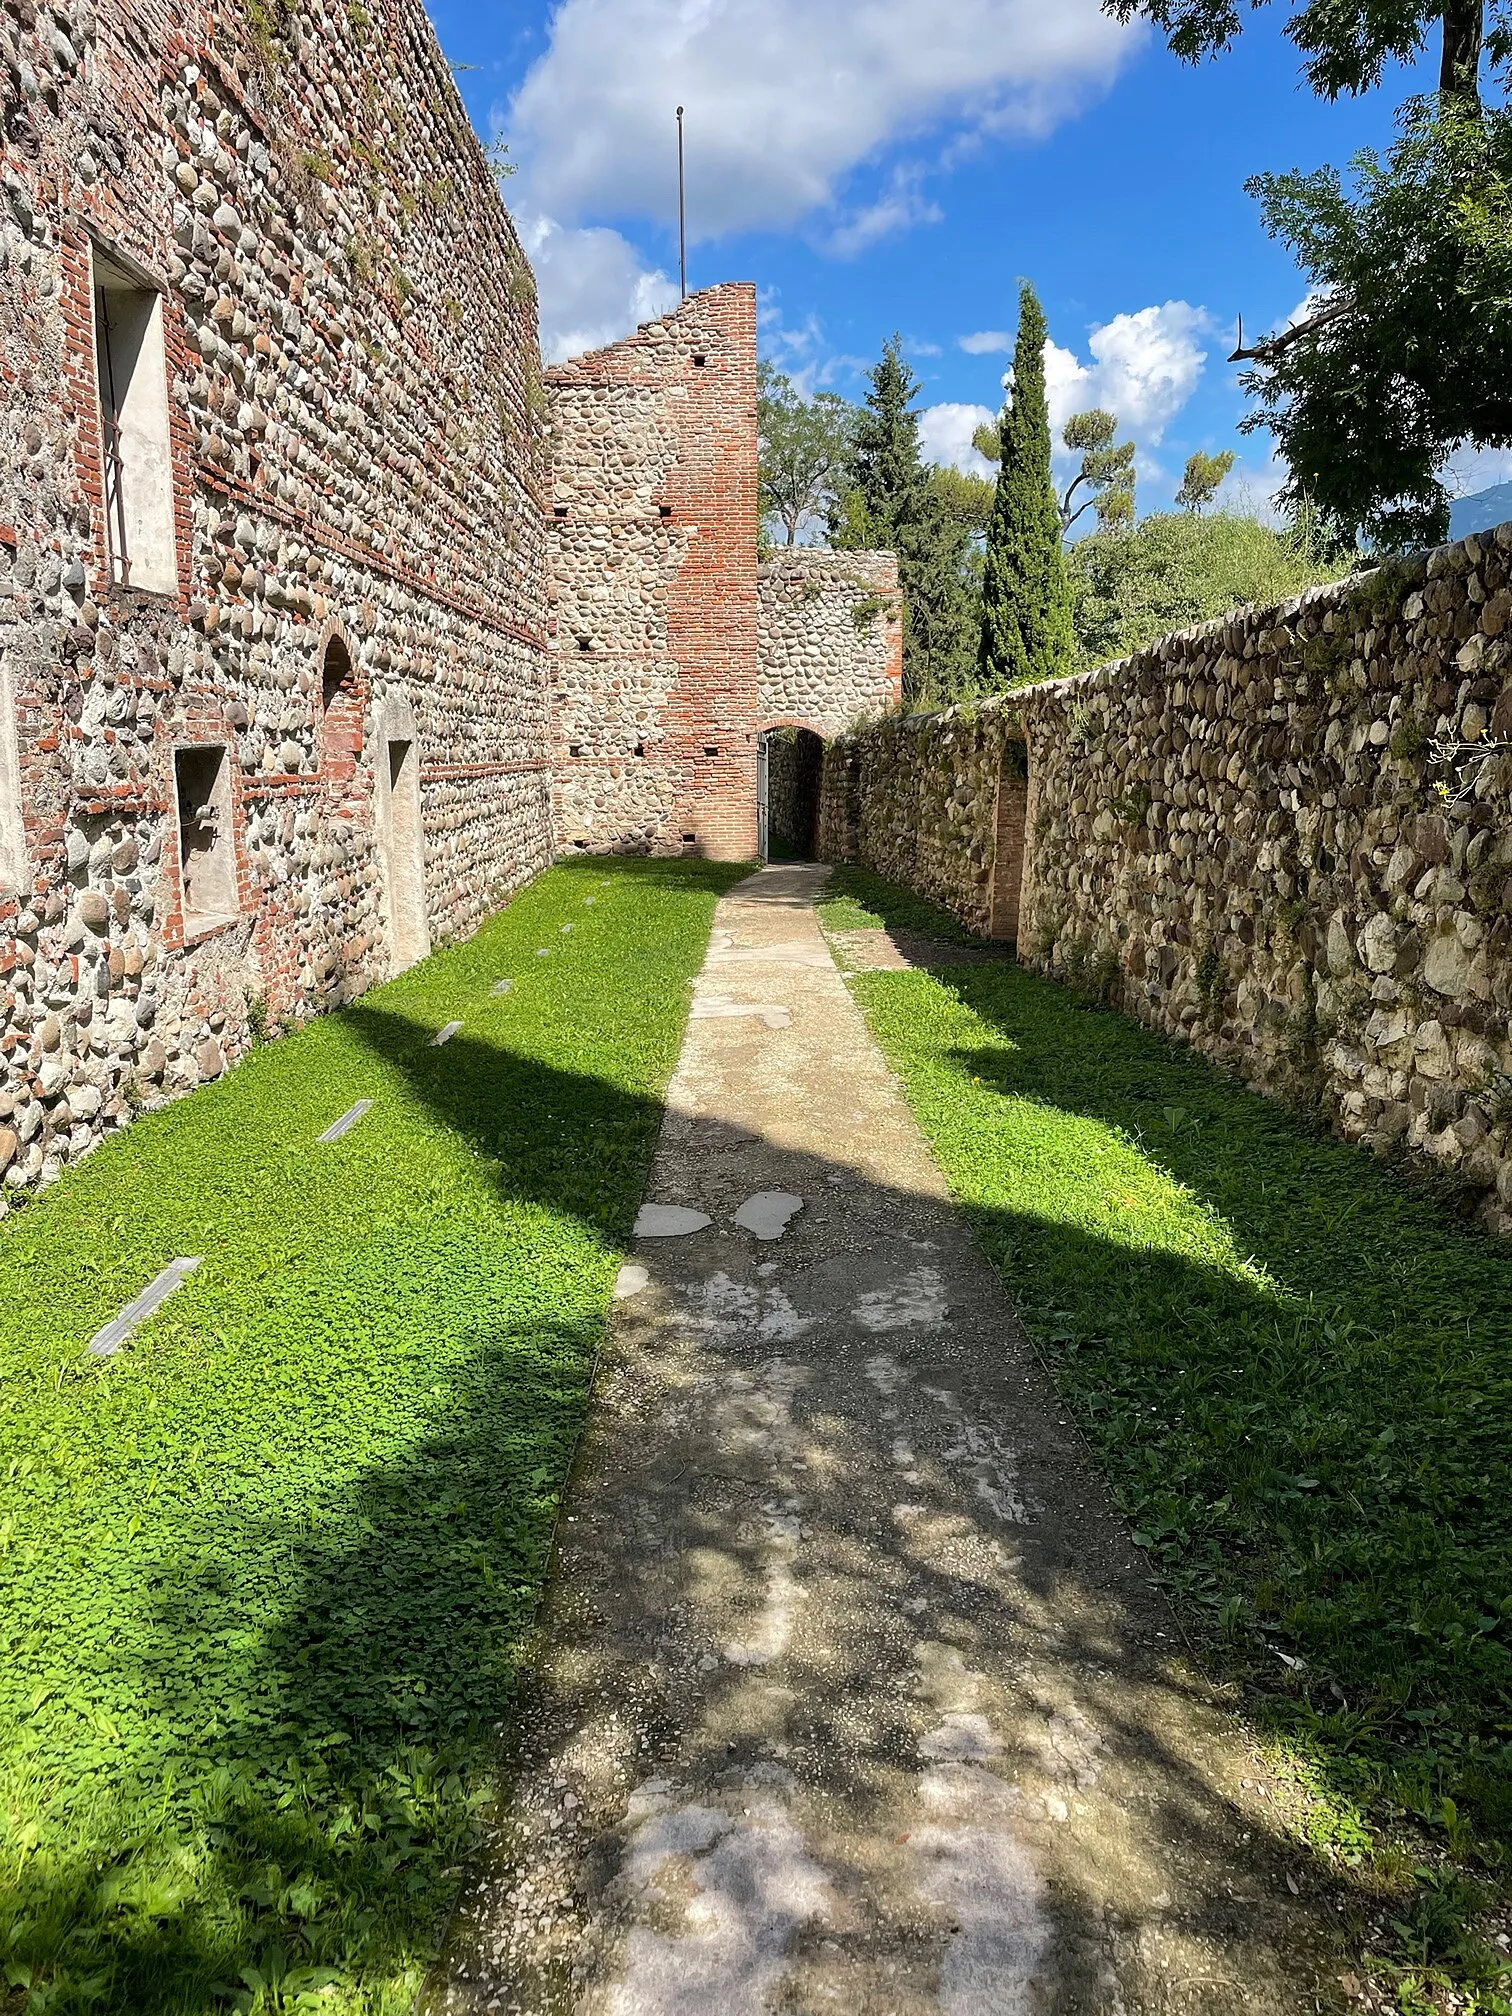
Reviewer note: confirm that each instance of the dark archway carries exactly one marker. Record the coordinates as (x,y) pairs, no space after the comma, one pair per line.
(791,771)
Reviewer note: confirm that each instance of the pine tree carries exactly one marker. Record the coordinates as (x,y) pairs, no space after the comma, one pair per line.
(1026,601)
(885,464)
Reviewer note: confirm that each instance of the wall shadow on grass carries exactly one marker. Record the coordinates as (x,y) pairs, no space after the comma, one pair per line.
(377,1637)
(296,1706)
(1317,1447)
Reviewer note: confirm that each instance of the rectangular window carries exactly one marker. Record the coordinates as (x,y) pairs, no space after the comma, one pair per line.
(133,368)
(207,855)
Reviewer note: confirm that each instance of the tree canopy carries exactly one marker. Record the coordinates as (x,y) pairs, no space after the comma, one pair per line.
(1106,471)
(1204,478)
(805,447)
(1402,355)
(1174,568)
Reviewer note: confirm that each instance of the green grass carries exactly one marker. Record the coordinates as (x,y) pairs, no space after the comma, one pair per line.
(1296,1372)
(857,900)
(266,1574)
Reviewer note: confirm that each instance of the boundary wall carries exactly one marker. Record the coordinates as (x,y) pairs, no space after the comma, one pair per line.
(1283,837)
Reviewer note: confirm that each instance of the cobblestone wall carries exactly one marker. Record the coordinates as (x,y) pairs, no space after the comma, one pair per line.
(831,638)
(356,436)
(653,528)
(1283,837)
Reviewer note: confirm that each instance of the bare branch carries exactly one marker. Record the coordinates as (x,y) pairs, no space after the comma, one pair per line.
(1274,346)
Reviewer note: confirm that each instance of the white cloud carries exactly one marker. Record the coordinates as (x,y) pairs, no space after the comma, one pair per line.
(786,99)
(900,206)
(593,287)
(1471,470)
(1145,367)
(945,433)
(987,342)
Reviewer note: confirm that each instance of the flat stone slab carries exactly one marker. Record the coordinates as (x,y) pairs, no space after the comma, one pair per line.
(106,1342)
(768,1214)
(346,1123)
(501,987)
(630,1280)
(669,1221)
(718,1008)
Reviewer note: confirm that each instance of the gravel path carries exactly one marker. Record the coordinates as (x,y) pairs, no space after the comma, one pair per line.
(851,1691)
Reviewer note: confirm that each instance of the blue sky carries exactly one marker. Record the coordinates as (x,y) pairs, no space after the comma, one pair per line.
(882,164)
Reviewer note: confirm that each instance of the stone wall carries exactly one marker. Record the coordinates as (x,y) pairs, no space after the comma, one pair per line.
(654,514)
(831,638)
(356,451)
(1283,837)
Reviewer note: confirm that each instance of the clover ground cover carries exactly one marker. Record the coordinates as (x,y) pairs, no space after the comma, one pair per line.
(264,1576)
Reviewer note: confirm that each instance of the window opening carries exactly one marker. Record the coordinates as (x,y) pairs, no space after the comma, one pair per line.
(137,445)
(207,858)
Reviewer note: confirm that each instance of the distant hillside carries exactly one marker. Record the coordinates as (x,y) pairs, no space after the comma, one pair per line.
(1480,512)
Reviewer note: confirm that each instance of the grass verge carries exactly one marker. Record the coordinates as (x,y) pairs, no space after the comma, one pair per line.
(266,1574)
(1298,1376)
(857,900)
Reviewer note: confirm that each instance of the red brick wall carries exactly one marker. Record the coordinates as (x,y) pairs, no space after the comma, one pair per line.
(654,586)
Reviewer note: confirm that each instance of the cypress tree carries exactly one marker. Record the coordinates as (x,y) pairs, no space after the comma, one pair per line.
(1027,629)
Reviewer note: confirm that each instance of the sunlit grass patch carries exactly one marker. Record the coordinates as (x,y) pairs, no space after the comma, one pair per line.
(266,1573)
(1296,1373)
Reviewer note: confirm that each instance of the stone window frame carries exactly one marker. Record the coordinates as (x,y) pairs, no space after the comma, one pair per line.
(15,862)
(102,252)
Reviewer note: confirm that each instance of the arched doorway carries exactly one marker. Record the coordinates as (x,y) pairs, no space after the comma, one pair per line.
(401,833)
(789,773)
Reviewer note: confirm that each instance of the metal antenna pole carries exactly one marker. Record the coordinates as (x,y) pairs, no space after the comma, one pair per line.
(682,209)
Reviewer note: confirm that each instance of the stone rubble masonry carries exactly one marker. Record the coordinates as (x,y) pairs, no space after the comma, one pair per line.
(359,452)
(1282,837)
(653,562)
(831,638)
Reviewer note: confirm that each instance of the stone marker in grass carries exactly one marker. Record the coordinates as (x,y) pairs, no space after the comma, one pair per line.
(347,1121)
(445,1035)
(105,1343)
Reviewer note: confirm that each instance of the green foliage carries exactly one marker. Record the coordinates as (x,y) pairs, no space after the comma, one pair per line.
(1107,471)
(940,568)
(1348,46)
(1204,478)
(1026,605)
(932,519)
(805,450)
(268,1572)
(1403,355)
(1368,408)
(1296,1373)
(1130,588)
(884,463)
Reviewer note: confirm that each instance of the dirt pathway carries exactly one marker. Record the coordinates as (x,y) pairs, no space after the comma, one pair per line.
(853,1694)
